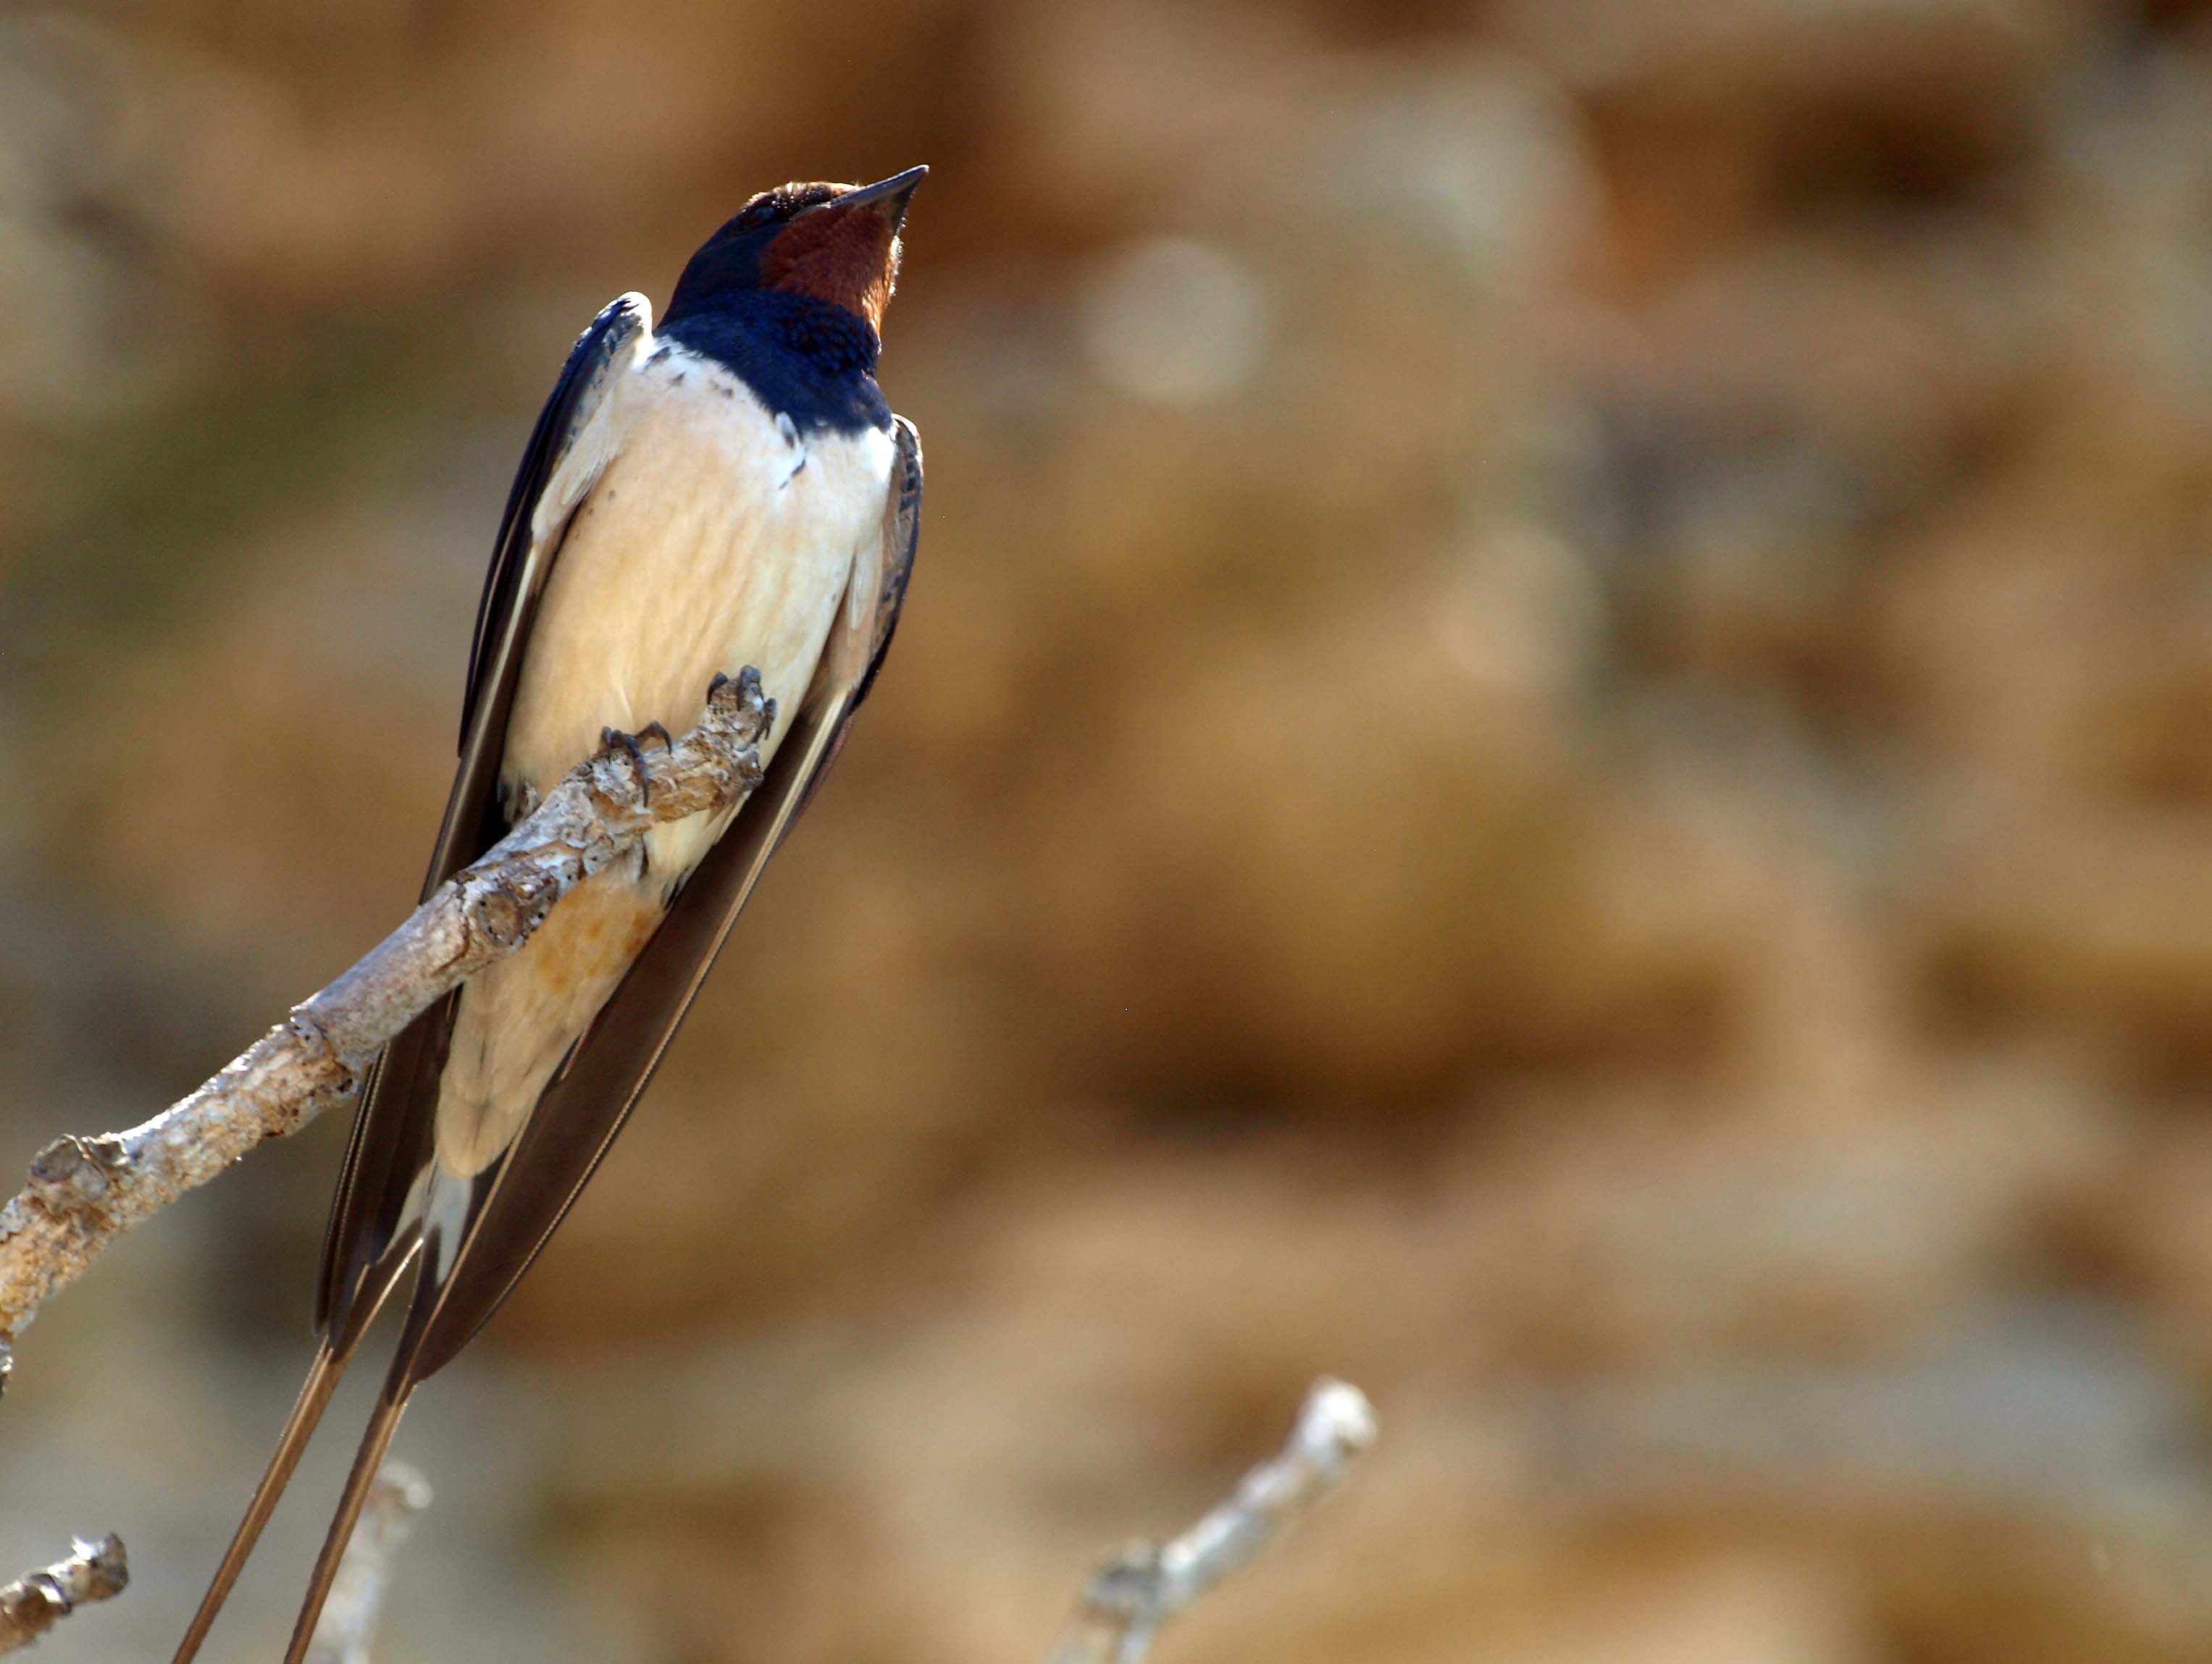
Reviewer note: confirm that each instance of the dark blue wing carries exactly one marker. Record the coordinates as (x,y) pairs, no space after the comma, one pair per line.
(584,1107)
(392,1131)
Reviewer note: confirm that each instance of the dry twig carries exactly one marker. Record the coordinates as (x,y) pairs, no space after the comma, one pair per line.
(349,1619)
(37,1601)
(1139,1588)
(85,1192)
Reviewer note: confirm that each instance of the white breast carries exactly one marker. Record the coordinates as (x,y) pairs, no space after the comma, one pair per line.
(714,538)
(717,536)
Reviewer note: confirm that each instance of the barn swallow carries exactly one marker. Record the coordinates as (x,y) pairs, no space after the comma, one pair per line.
(726,488)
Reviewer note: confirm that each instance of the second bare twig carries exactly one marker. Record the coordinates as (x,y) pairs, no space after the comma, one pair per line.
(349,1620)
(1140,1587)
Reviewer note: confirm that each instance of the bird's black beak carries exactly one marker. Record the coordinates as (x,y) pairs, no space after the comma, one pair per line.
(888,196)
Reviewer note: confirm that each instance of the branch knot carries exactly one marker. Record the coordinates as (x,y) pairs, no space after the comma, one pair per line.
(1126,1585)
(509,909)
(72,1175)
(326,1071)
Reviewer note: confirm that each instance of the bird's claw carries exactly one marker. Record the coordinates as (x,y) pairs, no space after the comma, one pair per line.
(745,686)
(614,739)
(739,698)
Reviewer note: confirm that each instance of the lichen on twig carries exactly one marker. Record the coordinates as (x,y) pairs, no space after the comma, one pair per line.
(1138,1588)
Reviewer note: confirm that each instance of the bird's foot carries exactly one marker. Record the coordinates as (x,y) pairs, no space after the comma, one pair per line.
(738,698)
(614,739)
(745,685)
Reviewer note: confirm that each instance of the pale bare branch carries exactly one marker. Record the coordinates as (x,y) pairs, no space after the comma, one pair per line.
(38,1600)
(85,1192)
(1139,1588)
(349,1620)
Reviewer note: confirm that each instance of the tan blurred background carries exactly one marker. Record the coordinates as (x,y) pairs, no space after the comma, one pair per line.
(1553,749)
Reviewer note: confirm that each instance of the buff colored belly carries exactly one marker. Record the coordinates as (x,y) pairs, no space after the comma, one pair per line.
(706,546)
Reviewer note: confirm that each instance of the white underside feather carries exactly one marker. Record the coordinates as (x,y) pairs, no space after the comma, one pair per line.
(713,536)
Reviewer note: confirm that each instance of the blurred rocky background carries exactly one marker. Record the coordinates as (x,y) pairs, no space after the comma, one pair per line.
(1553,749)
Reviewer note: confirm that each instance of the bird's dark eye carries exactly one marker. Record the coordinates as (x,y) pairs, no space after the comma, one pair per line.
(760,211)
(773,207)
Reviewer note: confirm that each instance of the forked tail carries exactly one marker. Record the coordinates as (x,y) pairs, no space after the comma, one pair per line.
(333,1352)
(314,1395)
(390,1404)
